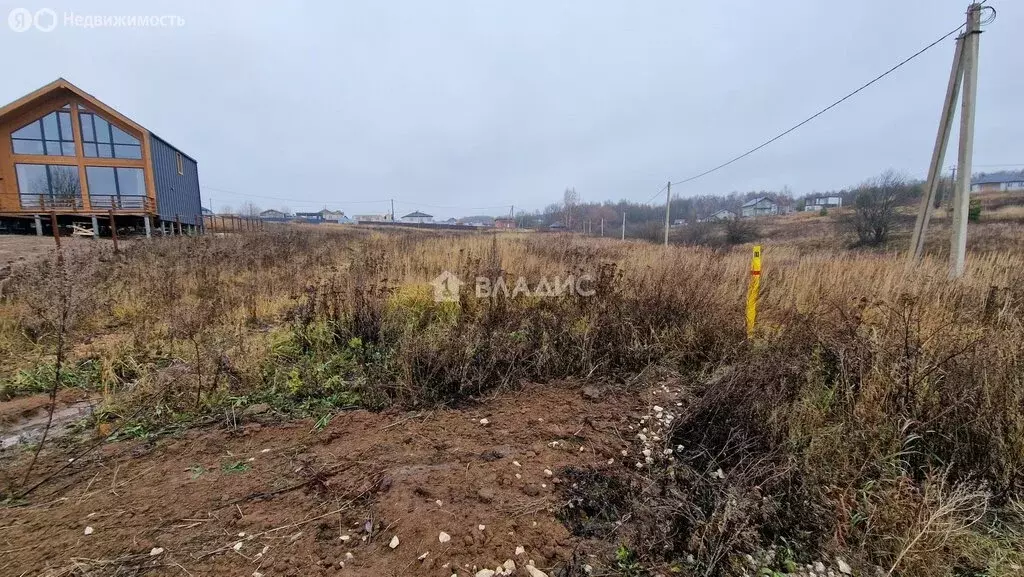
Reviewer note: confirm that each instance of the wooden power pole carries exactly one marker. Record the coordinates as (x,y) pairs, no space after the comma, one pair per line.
(963,77)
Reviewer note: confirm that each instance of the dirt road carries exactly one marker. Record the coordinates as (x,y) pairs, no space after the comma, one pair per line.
(287,499)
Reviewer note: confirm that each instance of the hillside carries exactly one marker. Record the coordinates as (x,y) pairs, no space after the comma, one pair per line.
(301,401)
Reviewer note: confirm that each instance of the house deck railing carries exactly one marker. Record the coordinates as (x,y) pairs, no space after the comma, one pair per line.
(99,202)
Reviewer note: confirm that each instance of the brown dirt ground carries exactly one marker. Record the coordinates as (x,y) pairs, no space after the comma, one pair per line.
(303,490)
(22,408)
(17,248)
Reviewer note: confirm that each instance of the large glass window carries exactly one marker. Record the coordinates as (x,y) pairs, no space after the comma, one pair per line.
(115,187)
(50,135)
(49,186)
(101,139)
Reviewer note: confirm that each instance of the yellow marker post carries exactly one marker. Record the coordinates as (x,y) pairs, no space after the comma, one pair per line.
(753,290)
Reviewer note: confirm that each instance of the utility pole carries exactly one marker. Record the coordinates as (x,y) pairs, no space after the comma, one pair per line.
(602,227)
(623,225)
(962,190)
(392,210)
(963,80)
(668,203)
(938,152)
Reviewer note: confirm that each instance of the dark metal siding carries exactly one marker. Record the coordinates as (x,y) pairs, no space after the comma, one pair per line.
(176,194)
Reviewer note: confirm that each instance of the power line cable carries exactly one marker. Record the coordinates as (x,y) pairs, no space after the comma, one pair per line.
(423,204)
(823,110)
(380,201)
(291,200)
(655,195)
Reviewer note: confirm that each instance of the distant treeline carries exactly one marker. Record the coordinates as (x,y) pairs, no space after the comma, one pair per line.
(642,219)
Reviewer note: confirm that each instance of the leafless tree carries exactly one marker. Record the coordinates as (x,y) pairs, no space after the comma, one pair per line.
(62,185)
(248,210)
(58,293)
(570,199)
(874,206)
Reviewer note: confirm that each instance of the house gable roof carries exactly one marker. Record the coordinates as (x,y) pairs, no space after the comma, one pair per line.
(757,200)
(96,104)
(418,214)
(998,178)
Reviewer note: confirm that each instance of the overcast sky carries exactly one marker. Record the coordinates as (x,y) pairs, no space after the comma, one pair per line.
(480,103)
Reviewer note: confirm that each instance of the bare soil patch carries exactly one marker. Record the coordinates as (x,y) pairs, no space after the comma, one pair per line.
(302,501)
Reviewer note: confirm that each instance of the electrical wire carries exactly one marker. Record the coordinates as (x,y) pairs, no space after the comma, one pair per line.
(291,200)
(379,201)
(823,110)
(655,195)
(688,179)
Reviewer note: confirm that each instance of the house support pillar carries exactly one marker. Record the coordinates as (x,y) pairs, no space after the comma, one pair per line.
(148,225)
(39,226)
(95,226)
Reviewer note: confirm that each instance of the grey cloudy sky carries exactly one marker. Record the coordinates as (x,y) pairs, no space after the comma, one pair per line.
(480,103)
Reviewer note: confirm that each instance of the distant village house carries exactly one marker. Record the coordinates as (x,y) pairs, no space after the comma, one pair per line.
(997,182)
(363,218)
(274,216)
(761,206)
(721,215)
(817,203)
(418,217)
(335,216)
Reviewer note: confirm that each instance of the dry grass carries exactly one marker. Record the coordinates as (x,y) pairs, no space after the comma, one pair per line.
(875,413)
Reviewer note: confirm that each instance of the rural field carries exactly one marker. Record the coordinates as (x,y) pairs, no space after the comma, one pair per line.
(296,401)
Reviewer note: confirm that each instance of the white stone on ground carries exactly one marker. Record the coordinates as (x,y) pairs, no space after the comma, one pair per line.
(394,542)
(444,537)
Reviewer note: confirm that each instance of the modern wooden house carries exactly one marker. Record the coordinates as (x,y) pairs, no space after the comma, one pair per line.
(64,152)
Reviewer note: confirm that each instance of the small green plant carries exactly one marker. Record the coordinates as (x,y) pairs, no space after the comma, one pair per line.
(974,211)
(133,431)
(235,467)
(625,560)
(322,423)
(39,378)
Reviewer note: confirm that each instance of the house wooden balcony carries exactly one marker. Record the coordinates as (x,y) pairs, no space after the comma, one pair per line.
(98,203)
